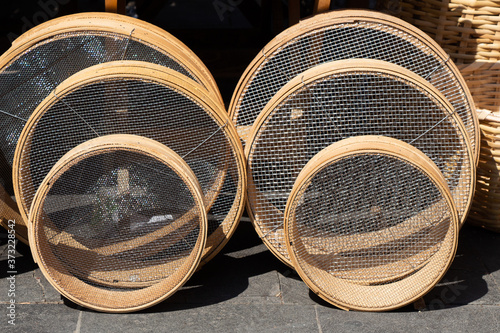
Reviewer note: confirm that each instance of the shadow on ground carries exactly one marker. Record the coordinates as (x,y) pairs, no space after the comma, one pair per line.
(470,279)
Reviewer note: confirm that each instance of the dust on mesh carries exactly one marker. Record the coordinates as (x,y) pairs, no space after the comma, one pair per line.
(341,106)
(33,75)
(88,208)
(369,217)
(361,39)
(146,109)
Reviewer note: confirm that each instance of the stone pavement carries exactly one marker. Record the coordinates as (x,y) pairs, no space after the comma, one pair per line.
(246,289)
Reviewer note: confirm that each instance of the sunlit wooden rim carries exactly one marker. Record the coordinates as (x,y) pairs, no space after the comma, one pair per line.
(350,16)
(84,293)
(165,76)
(389,147)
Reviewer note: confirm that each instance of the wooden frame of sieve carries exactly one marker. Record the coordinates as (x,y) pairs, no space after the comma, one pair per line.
(255,199)
(363,145)
(350,16)
(126,26)
(109,23)
(163,76)
(374,296)
(93,297)
(137,246)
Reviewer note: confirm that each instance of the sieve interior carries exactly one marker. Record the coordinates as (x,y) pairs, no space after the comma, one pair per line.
(370,224)
(344,99)
(118,223)
(349,34)
(147,100)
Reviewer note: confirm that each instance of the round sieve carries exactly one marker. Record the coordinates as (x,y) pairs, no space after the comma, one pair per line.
(147,100)
(46,55)
(370,224)
(344,99)
(118,224)
(346,34)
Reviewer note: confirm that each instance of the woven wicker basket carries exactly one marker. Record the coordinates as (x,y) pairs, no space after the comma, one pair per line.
(485,210)
(483,80)
(468,30)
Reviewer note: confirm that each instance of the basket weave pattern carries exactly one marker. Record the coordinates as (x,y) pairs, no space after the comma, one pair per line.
(483,80)
(468,30)
(485,210)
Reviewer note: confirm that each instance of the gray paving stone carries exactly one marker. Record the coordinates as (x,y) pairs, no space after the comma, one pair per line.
(23,259)
(227,278)
(496,278)
(468,260)
(26,289)
(487,249)
(245,252)
(483,243)
(471,277)
(214,318)
(244,272)
(51,295)
(31,285)
(491,259)
(245,288)
(255,300)
(294,290)
(477,237)
(460,287)
(34,318)
(461,319)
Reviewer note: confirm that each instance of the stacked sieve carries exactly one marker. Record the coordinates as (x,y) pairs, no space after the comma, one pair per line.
(361,142)
(351,137)
(126,169)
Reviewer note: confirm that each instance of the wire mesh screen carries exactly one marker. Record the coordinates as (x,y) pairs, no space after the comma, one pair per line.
(117,228)
(340,100)
(346,35)
(368,229)
(29,78)
(29,74)
(177,115)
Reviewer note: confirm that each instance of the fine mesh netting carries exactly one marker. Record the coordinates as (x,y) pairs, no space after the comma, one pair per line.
(29,78)
(117,228)
(179,117)
(329,104)
(370,230)
(42,59)
(361,211)
(347,35)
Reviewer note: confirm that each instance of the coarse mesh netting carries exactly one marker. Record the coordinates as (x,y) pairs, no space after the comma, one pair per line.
(336,106)
(355,38)
(370,230)
(30,76)
(118,221)
(160,112)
